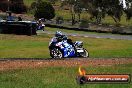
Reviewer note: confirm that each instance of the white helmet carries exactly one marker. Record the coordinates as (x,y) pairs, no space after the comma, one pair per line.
(58,34)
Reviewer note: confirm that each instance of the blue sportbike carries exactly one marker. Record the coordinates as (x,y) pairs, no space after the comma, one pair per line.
(64,49)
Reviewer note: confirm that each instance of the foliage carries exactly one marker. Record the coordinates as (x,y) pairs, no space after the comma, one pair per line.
(89,10)
(3,6)
(59,19)
(53,1)
(33,5)
(84,23)
(44,10)
(128,12)
(16,6)
(99,8)
(75,8)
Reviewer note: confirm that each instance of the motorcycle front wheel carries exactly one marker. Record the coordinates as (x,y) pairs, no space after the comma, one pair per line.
(56,53)
(84,54)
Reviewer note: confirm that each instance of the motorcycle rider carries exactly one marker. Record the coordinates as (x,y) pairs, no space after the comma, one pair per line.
(40,24)
(59,37)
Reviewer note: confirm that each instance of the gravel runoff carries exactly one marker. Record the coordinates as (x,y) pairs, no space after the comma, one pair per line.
(9,64)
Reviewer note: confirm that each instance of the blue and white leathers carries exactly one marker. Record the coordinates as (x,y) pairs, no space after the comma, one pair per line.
(68,50)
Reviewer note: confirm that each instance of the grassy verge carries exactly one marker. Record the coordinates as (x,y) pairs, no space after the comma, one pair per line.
(73,31)
(13,46)
(28,2)
(58,77)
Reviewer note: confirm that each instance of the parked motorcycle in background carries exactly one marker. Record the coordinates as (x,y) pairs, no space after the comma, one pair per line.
(40,24)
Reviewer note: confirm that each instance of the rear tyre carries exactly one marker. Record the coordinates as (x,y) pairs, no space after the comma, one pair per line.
(56,53)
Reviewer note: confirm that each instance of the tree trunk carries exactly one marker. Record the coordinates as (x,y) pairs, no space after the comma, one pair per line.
(73,18)
(79,17)
(114,19)
(72,14)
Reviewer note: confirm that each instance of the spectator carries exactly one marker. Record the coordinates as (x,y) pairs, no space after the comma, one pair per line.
(19,18)
(10,17)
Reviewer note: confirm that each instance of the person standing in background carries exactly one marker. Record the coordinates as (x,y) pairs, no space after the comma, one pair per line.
(10,17)
(19,18)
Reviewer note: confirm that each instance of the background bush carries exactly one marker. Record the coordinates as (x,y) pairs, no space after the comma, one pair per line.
(16,6)
(44,10)
(84,23)
(3,6)
(59,20)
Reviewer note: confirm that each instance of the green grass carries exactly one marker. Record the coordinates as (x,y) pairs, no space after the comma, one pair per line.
(123,22)
(14,46)
(107,47)
(73,31)
(28,2)
(59,77)
(23,46)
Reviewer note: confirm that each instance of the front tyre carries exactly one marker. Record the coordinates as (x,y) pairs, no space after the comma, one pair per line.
(84,54)
(56,53)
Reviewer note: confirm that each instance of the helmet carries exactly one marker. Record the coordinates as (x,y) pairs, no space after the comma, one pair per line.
(58,34)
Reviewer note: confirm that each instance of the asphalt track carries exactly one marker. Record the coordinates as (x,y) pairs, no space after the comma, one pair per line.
(109,36)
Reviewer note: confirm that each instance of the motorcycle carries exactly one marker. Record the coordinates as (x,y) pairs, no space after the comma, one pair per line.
(64,49)
(40,25)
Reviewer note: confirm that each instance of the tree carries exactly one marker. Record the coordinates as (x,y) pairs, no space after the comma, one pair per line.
(128,13)
(99,8)
(78,8)
(75,8)
(44,10)
(4,5)
(16,6)
(53,1)
(70,4)
(128,10)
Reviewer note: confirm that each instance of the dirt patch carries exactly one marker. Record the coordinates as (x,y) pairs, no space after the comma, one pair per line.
(18,64)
